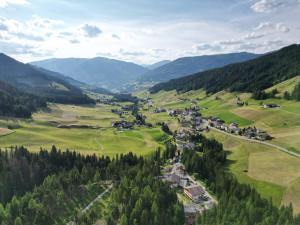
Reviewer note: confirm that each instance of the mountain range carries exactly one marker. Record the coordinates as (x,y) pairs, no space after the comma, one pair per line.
(115,74)
(190,65)
(100,72)
(250,76)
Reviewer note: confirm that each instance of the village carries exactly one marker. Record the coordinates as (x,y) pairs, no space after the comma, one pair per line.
(197,198)
(192,118)
(193,193)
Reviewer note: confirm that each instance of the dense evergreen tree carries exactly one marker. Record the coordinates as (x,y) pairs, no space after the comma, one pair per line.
(251,76)
(296,93)
(14,103)
(141,198)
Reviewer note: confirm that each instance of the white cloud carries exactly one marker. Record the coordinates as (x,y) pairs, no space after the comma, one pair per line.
(132,53)
(5,3)
(230,42)
(91,31)
(28,36)
(266,5)
(253,35)
(272,27)
(282,28)
(208,46)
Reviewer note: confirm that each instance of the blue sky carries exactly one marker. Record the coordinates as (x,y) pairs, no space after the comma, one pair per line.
(145,31)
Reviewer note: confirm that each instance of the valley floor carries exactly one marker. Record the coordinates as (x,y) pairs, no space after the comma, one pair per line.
(42,132)
(273,173)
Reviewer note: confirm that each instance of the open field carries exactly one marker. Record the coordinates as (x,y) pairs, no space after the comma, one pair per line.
(42,132)
(270,171)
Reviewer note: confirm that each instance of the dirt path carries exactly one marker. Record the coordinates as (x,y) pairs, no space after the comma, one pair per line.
(90,205)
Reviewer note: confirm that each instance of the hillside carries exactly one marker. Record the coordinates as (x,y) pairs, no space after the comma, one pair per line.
(14,103)
(250,76)
(274,174)
(28,79)
(190,65)
(101,72)
(83,86)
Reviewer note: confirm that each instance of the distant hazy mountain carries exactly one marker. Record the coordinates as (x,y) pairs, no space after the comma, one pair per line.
(76,83)
(28,79)
(101,72)
(190,65)
(250,76)
(158,64)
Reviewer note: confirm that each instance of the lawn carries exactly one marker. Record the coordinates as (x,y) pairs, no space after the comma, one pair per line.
(41,132)
(270,171)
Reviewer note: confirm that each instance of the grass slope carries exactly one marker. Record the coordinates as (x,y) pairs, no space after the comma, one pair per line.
(42,132)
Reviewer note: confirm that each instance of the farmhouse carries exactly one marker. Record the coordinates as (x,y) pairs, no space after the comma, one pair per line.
(254,133)
(178,169)
(266,106)
(172,179)
(159,110)
(195,193)
(216,122)
(175,112)
(233,128)
(123,124)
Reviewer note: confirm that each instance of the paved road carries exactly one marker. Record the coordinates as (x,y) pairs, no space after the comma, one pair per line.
(257,141)
(89,206)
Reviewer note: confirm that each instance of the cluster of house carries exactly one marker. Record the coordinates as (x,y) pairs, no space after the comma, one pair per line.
(220,124)
(182,138)
(254,133)
(123,124)
(178,178)
(233,128)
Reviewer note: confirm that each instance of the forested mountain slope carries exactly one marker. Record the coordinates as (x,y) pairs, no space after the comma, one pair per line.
(254,75)
(190,65)
(28,79)
(14,103)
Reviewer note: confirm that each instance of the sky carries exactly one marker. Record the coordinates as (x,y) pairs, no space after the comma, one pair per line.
(145,31)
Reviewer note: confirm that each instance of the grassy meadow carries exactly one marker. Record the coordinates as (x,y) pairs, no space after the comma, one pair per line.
(41,131)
